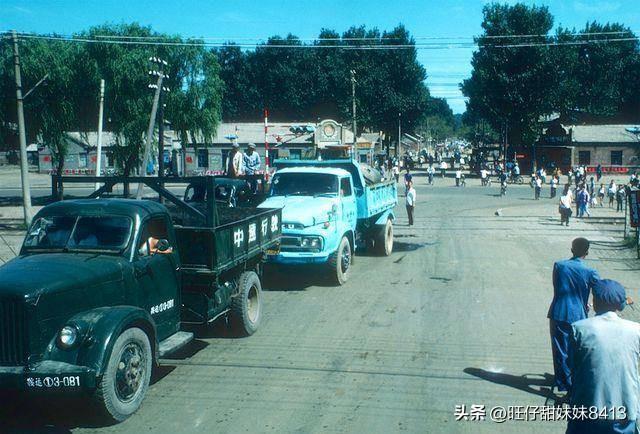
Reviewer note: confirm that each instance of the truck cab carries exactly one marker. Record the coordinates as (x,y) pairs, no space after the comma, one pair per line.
(328,209)
(101,289)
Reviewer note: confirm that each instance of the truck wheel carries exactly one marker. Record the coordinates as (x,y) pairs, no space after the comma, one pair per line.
(246,307)
(340,262)
(384,239)
(126,379)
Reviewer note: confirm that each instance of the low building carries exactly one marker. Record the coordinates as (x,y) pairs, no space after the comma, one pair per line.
(613,146)
(290,140)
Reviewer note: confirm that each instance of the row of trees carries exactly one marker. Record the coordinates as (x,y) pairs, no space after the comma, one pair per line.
(517,79)
(299,82)
(310,81)
(68,99)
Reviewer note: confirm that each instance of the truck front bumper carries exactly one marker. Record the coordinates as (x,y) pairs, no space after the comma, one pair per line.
(298,258)
(48,376)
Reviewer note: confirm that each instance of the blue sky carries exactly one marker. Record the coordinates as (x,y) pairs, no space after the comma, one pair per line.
(235,19)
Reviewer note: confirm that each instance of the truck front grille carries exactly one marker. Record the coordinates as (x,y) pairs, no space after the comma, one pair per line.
(13,333)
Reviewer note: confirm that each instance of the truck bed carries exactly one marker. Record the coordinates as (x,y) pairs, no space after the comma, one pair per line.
(377,198)
(242,233)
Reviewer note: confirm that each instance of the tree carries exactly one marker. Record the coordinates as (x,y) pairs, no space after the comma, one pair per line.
(193,105)
(51,108)
(598,74)
(305,82)
(510,86)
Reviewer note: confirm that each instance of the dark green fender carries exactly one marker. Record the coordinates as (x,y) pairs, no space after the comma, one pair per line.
(99,329)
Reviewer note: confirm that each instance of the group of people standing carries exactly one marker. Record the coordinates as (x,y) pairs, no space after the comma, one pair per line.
(595,359)
(246,164)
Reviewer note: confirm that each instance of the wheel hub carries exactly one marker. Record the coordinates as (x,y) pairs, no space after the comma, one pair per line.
(130,373)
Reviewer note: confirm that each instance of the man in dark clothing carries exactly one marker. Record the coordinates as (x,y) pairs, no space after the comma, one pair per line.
(572,281)
(598,173)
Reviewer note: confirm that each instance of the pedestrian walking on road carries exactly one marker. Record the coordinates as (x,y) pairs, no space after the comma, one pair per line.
(410,201)
(572,281)
(553,186)
(396,172)
(601,193)
(604,364)
(592,186)
(483,177)
(565,205)
(620,195)
(612,192)
(443,168)
(458,177)
(537,187)
(582,201)
(408,177)
(598,172)
(430,172)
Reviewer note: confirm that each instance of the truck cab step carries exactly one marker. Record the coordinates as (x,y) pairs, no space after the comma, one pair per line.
(174,342)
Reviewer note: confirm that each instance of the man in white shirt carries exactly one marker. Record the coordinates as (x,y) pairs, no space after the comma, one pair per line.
(235,164)
(565,206)
(458,176)
(483,176)
(410,201)
(443,168)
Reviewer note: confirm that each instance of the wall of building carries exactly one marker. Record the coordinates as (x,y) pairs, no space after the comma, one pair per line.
(602,154)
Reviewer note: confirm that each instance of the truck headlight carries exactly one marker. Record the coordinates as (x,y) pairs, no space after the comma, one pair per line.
(68,337)
(311,242)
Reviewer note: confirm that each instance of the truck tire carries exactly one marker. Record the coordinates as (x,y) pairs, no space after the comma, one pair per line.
(126,378)
(246,306)
(384,239)
(340,262)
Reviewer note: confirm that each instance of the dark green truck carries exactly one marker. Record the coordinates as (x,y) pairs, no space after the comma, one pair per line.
(102,288)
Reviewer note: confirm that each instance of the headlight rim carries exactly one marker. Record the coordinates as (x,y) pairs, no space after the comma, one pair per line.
(75,333)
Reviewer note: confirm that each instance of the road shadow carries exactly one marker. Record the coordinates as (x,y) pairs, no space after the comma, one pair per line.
(48,414)
(535,384)
(400,246)
(298,279)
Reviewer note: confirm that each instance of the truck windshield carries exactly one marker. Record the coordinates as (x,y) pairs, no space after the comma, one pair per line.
(79,233)
(304,184)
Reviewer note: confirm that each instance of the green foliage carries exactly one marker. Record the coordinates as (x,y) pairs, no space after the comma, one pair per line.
(598,77)
(314,82)
(68,101)
(511,87)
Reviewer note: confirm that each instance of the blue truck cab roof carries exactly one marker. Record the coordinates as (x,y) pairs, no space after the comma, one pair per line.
(336,167)
(316,169)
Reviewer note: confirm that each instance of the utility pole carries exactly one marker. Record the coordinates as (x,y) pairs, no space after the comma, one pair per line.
(24,164)
(353,98)
(161,136)
(99,148)
(399,132)
(266,144)
(154,110)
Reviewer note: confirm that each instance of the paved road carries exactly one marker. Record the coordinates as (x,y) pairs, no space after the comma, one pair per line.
(455,316)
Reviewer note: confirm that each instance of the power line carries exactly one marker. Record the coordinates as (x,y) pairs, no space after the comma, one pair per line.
(120,40)
(341,38)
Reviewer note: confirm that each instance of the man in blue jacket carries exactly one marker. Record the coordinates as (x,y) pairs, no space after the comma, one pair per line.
(572,281)
(604,352)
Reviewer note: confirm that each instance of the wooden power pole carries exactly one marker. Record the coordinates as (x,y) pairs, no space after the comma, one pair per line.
(24,164)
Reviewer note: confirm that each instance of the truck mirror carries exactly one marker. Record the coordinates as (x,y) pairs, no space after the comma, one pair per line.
(163,245)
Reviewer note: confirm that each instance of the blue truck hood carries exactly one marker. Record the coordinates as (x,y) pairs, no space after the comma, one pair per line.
(304,210)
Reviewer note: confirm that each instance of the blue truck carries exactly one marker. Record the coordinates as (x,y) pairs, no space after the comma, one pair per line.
(328,209)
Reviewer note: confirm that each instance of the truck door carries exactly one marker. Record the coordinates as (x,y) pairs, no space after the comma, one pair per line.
(349,204)
(156,269)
